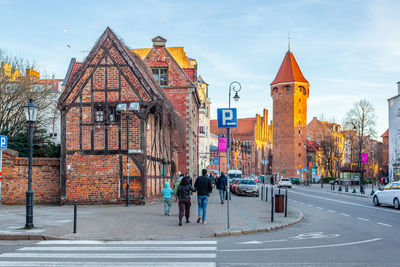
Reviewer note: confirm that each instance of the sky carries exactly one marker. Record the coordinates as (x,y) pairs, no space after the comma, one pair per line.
(347,50)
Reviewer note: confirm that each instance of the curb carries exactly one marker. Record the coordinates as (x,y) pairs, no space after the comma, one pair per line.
(352,195)
(257,230)
(29,237)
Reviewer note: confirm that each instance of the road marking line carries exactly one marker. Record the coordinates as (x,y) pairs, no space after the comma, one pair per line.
(153,242)
(109,263)
(344,214)
(331,211)
(363,219)
(348,203)
(111,256)
(320,208)
(309,205)
(301,202)
(307,247)
(108,248)
(384,224)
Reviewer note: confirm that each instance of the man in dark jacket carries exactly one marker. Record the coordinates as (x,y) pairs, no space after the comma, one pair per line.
(204,187)
(222,182)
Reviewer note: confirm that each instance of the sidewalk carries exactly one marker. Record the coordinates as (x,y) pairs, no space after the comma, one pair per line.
(327,188)
(116,222)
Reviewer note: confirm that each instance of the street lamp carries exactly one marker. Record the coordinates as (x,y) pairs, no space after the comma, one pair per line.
(31,111)
(360,142)
(235,86)
(134,106)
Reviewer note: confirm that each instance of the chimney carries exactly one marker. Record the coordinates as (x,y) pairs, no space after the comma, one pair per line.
(398,87)
(159,41)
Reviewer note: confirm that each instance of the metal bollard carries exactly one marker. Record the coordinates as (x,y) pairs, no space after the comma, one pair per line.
(286,203)
(272,204)
(279,191)
(262,192)
(266,194)
(75,215)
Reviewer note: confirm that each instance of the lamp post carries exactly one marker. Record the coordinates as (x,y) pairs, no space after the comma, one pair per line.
(235,86)
(31,111)
(360,143)
(133,106)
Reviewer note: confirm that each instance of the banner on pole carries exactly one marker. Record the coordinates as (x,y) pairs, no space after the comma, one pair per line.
(222,144)
(364,157)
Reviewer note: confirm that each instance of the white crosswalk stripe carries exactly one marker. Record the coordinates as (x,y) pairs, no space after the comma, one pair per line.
(114,253)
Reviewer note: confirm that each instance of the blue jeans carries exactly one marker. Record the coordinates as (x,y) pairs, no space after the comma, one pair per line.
(202,202)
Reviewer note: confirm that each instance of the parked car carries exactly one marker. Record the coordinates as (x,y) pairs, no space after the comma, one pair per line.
(234,185)
(247,187)
(294,180)
(284,182)
(389,195)
(231,183)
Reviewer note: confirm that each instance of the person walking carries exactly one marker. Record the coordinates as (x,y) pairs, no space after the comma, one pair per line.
(184,190)
(204,187)
(189,178)
(167,191)
(222,182)
(176,185)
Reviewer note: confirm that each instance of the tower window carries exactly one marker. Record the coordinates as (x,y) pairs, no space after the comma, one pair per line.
(299,99)
(299,155)
(287,88)
(299,144)
(299,131)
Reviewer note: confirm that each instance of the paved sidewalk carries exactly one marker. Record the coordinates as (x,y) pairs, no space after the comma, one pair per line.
(117,222)
(327,188)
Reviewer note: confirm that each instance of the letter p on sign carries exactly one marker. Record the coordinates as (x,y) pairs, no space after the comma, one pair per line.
(227,118)
(3,142)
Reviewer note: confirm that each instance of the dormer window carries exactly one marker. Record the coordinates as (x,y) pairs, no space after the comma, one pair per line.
(161,75)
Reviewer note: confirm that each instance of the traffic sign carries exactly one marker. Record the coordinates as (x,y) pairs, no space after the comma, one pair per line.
(3,142)
(216,161)
(284,171)
(222,144)
(264,161)
(364,157)
(227,117)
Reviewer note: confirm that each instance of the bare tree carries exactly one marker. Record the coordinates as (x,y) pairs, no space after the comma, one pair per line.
(362,119)
(15,91)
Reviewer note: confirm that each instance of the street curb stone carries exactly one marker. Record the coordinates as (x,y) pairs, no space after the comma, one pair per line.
(29,237)
(257,230)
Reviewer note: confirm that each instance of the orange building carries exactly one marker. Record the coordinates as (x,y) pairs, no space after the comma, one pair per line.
(290,91)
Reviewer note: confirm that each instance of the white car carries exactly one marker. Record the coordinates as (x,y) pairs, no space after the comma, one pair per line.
(389,195)
(285,182)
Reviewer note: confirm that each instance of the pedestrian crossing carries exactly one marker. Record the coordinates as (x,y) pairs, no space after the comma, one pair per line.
(114,253)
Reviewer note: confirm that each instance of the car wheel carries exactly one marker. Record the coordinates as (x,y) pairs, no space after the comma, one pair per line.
(396,203)
(376,201)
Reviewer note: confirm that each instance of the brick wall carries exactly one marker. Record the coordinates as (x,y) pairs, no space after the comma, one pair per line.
(45,179)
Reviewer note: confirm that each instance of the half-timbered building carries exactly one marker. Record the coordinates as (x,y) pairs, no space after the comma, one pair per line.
(98,138)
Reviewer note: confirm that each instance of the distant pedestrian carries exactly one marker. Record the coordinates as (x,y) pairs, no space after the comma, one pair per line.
(222,182)
(176,185)
(167,191)
(204,187)
(189,178)
(184,191)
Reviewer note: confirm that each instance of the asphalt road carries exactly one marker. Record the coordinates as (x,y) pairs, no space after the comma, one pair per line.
(337,230)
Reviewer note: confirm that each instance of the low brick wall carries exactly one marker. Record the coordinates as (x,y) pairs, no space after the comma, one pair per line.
(45,179)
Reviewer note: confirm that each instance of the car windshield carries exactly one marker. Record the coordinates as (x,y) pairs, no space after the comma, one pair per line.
(247,182)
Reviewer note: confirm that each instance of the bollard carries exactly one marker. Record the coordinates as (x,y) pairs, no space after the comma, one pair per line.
(266,194)
(272,204)
(286,203)
(346,188)
(262,192)
(75,215)
(279,190)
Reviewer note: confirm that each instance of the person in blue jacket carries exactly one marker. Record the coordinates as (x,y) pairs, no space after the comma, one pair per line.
(167,192)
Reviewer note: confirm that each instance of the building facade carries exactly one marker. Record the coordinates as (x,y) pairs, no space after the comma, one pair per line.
(177,75)
(116,123)
(394,136)
(290,91)
(204,124)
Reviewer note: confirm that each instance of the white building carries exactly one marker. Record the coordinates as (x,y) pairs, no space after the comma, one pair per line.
(204,124)
(394,136)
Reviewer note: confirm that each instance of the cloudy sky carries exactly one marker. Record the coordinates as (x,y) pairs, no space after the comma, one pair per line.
(348,50)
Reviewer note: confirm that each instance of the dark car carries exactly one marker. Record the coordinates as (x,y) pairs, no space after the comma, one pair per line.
(294,180)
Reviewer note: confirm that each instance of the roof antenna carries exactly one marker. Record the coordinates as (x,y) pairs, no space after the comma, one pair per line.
(289,41)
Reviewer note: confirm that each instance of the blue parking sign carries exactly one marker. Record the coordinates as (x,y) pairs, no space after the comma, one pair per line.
(3,142)
(227,117)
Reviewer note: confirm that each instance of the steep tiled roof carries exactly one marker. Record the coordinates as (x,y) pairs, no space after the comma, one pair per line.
(289,71)
(244,126)
(385,134)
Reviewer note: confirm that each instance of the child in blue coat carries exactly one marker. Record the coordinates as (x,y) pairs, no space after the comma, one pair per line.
(167,192)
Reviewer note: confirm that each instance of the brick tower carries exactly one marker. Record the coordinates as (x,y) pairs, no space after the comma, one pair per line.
(289,91)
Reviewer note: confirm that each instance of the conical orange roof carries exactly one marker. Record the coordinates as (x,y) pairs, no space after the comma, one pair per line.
(289,71)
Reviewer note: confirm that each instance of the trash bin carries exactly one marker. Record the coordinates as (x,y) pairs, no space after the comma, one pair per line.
(279,203)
